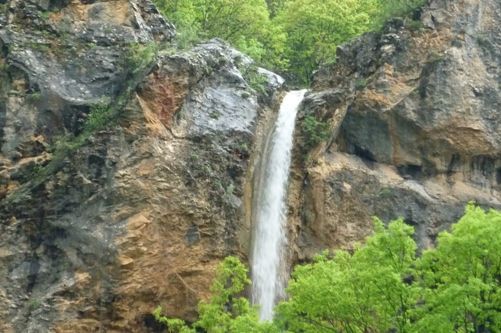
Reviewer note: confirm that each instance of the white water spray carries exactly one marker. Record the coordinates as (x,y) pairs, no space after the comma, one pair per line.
(270,215)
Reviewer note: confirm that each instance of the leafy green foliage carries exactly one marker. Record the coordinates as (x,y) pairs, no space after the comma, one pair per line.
(315,28)
(100,115)
(33,97)
(360,84)
(34,304)
(290,36)
(275,6)
(256,80)
(461,278)
(389,8)
(414,25)
(173,325)
(227,310)
(140,56)
(314,131)
(360,292)
(244,23)
(381,286)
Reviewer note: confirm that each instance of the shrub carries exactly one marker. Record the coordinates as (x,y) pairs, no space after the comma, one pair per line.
(140,55)
(99,116)
(227,310)
(314,131)
(255,80)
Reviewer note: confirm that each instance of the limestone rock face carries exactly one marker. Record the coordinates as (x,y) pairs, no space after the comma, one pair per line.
(136,213)
(126,165)
(416,127)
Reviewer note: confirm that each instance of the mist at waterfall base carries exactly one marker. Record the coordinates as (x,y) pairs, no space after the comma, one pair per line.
(269,270)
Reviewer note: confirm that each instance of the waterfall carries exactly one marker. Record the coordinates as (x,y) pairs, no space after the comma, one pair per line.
(268,268)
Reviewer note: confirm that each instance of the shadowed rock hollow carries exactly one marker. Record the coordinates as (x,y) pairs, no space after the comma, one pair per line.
(126,165)
(415,128)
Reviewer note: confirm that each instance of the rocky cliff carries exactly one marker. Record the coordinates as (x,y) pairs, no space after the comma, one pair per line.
(126,165)
(414,128)
(123,163)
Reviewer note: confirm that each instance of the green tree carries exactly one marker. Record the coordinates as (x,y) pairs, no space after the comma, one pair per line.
(275,6)
(227,310)
(380,287)
(461,278)
(244,23)
(314,131)
(183,14)
(293,37)
(315,29)
(361,292)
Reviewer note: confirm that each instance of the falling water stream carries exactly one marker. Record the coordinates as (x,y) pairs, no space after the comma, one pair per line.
(269,214)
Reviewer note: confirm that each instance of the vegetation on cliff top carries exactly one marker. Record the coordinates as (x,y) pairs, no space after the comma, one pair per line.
(292,37)
(382,286)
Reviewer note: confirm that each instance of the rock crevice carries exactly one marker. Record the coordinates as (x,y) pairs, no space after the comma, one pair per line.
(414,116)
(147,195)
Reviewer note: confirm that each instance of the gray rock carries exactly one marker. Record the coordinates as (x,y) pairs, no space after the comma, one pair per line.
(155,195)
(420,108)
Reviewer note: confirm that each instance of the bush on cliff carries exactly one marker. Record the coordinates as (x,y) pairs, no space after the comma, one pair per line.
(314,131)
(227,310)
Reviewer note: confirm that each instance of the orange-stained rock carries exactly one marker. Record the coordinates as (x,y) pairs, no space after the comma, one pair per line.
(96,234)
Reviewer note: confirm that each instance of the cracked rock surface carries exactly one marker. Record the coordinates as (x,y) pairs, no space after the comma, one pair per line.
(415,128)
(141,212)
